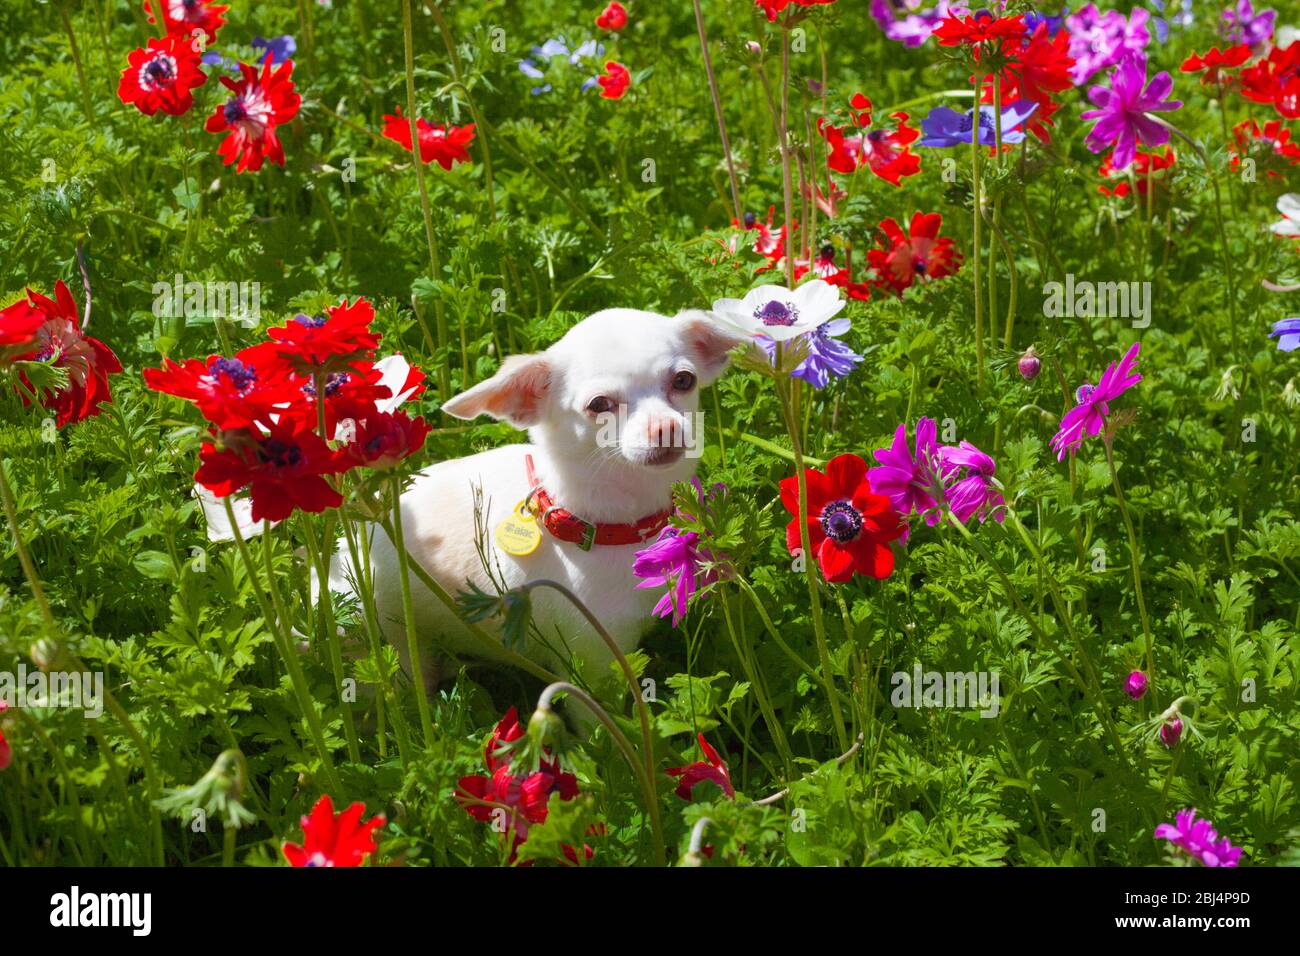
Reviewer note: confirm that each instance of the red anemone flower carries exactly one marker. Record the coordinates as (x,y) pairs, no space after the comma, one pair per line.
(283,469)
(1275,79)
(1272,142)
(330,840)
(773,7)
(384,439)
(447,145)
(1146,167)
(321,344)
(88,362)
(19,324)
(711,768)
(613,17)
(230,393)
(184,17)
(849,526)
(258,104)
(161,76)
(6,751)
(884,151)
(980,27)
(902,260)
(1214,61)
(615,81)
(1036,67)
(524,797)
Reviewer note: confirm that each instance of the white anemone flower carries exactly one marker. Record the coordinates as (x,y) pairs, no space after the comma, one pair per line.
(780,313)
(1289,207)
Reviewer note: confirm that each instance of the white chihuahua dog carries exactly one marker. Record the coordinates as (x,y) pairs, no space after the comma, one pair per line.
(612,412)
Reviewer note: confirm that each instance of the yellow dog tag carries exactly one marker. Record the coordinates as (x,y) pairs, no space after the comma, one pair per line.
(518,533)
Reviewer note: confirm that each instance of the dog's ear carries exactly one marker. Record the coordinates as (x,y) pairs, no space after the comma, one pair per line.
(709,340)
(517,393)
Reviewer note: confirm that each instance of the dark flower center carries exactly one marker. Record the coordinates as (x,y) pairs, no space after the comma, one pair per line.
(333,382)
(234,110)
(841,521)
(777,313)
(279,453)
(919,266)
(828,251)
(159,69)
(750,219)
(310,321)
(241,376)
(1083,393)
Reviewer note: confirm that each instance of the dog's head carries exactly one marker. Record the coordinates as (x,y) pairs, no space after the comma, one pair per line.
(622,384)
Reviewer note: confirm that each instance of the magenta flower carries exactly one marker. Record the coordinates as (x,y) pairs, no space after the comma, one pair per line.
(1136,685)
(1199,839)
(909,480)
(1171,732)
(673,561)
(1241,24)
(1089,416)
(1121,113)
(1100,40)
(975,494)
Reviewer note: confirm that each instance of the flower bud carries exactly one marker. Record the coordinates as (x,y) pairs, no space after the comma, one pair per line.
(1136,685)
(1030,365)
(46,654)
(754,47)
(1171,733)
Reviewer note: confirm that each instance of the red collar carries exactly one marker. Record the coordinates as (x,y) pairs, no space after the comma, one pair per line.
(567,526)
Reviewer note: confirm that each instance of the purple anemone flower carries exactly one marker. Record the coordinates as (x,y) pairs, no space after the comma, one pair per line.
(1241,24)
(1177,13)
(673,561)
(1089,416)
(1100,40)
(281,48)
(903,21)
(909,480)
(945,127)
(1199,839)
(1054,23)
(1136,685)
(827,356)
(1122,109)
(1287,333)
(974,495)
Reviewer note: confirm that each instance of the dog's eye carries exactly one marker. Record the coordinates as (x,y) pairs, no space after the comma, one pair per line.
(599,405)
(684,381)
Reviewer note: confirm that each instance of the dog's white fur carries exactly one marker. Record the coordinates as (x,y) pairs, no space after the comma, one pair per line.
(628,356)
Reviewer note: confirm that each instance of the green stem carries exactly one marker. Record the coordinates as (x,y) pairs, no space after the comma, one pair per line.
(805,543)
(327,629)
(408,607)
(435,261)
(975,240)
(1135,559)
(644,773)
(272,615)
